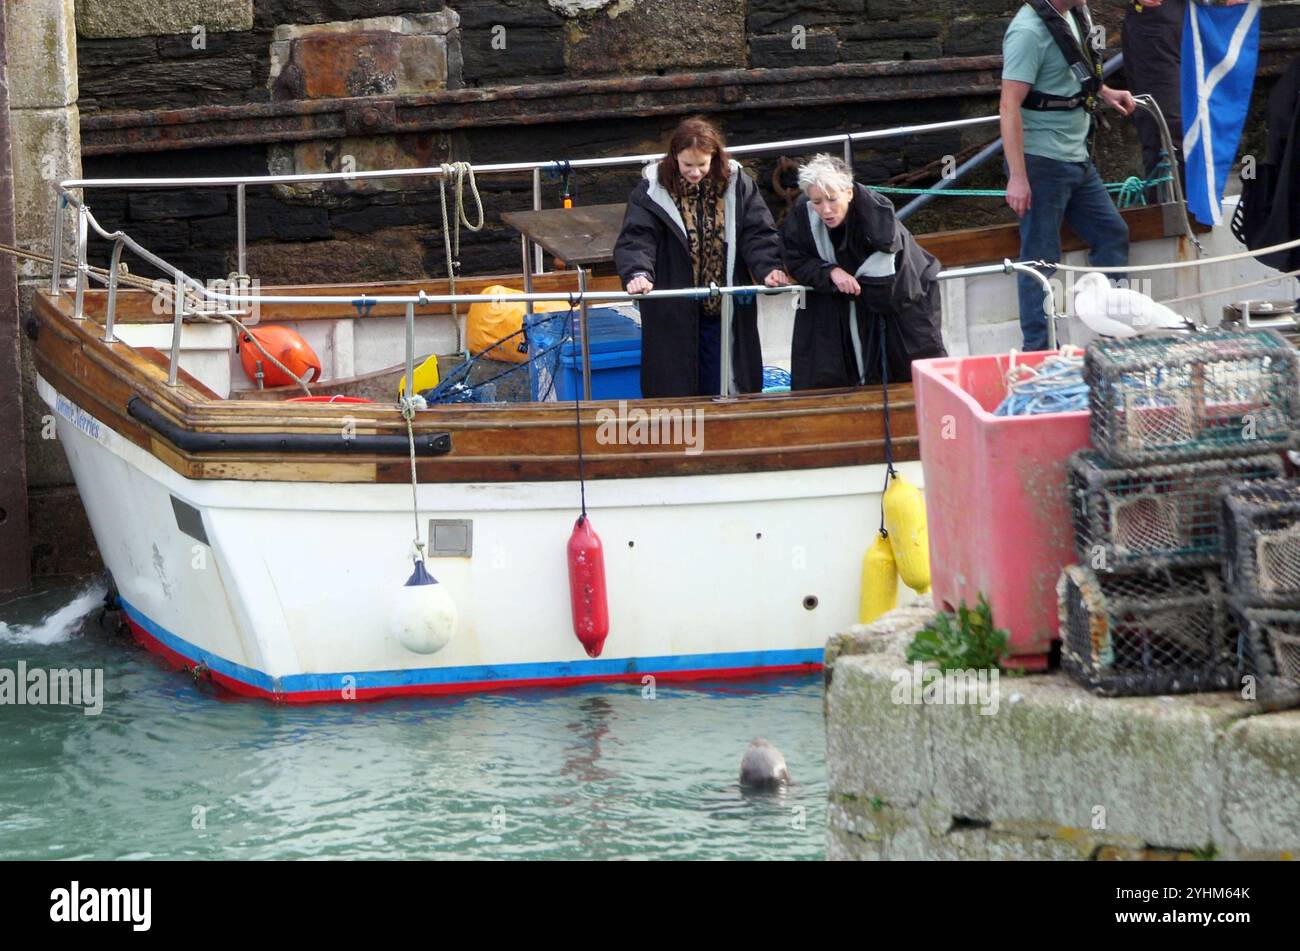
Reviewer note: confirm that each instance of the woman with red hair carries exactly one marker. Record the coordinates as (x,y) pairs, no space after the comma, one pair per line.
(697,219)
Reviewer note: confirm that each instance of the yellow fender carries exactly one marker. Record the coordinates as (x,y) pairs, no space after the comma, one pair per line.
(426,376)
(904,509)
(879,581)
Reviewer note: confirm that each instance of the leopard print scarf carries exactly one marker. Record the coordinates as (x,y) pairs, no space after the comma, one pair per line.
(703,214)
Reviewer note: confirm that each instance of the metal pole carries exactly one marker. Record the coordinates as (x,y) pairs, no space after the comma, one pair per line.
(510,167)
(112,291)
(975,161)
(178,316)
(539,263)
(240,226)
(586,341)
(725,343)
(82,225)
(57,248)
(409,389)
(1049,298)
(528,276)
(848,151)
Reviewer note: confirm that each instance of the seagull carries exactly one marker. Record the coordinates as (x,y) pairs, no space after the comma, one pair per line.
(1121,312)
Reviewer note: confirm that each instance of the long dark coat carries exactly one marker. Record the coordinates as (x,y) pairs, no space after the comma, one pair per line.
(1271,201)
(904,307)
(652,241)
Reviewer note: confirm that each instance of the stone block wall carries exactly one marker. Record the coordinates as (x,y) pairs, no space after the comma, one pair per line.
(148,54)
(45,147)
(1037,768)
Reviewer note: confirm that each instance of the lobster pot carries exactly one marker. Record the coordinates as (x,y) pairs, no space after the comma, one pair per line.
(1269,651)
(1216,394)
(1261,542)
(1144,634)
(1154,516)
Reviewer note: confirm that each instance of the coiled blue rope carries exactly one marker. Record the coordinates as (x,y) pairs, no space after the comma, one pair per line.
(1055,386)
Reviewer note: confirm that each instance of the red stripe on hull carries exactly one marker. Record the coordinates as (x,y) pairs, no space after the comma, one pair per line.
(181,662)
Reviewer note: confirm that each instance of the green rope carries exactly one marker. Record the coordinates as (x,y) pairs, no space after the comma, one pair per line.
(969,192)
(1130,190)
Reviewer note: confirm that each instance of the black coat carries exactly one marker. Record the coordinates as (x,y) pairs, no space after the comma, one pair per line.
(904,307)
(651,241)
(1270,202)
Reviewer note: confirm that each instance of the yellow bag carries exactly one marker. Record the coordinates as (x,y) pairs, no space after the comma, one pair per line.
(489,322)
(879,581)
(904,509)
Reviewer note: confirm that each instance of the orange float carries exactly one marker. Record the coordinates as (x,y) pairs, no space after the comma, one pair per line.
(285,345)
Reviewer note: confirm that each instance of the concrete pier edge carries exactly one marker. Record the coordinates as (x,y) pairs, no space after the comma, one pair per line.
(1052,772)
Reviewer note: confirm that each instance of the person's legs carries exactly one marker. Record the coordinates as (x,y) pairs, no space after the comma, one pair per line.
(1152,45)
(710,378)
(1050,184)
(1092,215)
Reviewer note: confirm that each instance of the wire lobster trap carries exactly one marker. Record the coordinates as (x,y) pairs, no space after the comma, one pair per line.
(1269,652)
(1213,394)
(1261,542)
(1154,516)
(1146,634)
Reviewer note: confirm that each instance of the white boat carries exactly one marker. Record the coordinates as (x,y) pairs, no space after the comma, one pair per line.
(262,544)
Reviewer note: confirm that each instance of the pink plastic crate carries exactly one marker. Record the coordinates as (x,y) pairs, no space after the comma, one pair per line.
(995,494)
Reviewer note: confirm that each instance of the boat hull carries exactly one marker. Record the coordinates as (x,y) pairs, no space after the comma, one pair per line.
(283,589)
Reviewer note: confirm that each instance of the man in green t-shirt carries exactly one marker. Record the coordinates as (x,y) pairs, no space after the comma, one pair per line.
(1050,174)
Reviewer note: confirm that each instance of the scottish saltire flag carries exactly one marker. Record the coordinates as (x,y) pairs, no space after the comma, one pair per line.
(1220,50)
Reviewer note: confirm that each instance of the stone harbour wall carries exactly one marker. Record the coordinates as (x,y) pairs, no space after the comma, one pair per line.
(129,50)
(1050,771)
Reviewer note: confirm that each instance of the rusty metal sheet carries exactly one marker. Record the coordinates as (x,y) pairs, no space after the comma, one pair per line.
(564,101)
(570,100)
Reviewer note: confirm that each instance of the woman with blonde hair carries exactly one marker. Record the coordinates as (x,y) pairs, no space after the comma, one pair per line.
(697,219)
(874,286)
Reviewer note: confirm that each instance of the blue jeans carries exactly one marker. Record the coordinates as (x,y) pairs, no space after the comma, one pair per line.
(1073,192)
(710,365)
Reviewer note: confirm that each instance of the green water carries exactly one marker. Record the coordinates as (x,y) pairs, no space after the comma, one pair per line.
(169,769)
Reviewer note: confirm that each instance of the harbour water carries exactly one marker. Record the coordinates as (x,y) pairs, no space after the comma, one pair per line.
(171,769)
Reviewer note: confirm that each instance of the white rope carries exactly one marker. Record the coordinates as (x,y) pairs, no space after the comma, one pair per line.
(249,337)
(1119,269)
(457,171)
(408,413)
(1234,287)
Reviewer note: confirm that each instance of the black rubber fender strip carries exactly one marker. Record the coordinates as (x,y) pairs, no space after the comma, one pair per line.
(426,444)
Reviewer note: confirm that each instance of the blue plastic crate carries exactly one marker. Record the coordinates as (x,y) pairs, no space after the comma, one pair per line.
(555,367)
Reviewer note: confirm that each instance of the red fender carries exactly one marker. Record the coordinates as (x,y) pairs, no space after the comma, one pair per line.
(587,587)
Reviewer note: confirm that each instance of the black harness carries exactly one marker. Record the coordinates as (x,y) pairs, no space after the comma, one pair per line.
(1084,60)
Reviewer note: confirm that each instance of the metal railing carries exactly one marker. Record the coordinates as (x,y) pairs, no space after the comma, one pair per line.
(241,182)
(182,282)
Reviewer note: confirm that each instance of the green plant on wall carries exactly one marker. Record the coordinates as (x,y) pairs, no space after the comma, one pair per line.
(965,641)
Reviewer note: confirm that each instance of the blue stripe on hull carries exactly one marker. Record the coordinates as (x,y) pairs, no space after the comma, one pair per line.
(432,676)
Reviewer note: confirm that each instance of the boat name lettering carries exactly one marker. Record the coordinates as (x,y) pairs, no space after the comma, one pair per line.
(80,418)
